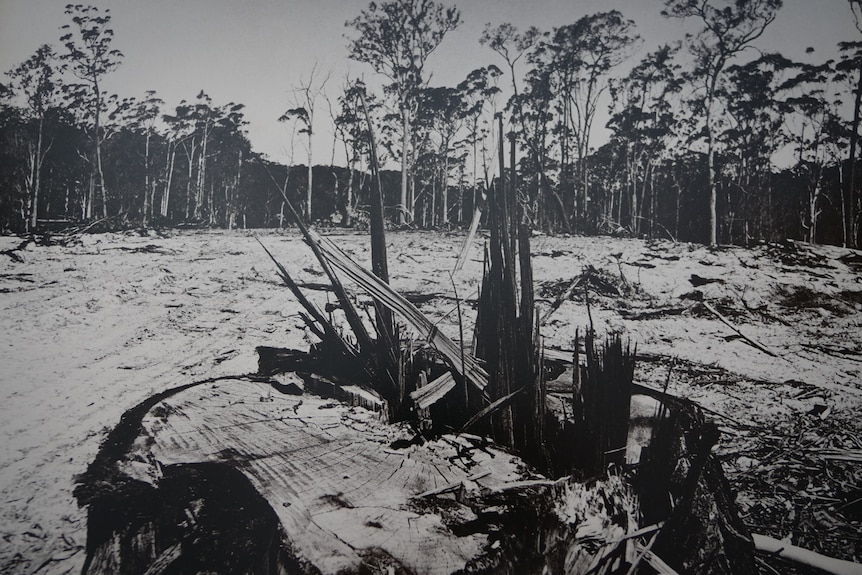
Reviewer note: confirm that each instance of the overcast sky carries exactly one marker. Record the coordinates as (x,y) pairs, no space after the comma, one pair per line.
(255,51)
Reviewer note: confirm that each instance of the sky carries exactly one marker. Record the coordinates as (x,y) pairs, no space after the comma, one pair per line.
(256,52)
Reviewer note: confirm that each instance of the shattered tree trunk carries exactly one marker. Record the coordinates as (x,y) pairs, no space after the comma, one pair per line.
(506,332)
(601,404)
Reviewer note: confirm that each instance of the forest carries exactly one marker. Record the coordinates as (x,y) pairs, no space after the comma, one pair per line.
(695,131)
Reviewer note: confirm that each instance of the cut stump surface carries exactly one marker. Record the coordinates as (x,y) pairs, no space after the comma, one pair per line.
(344,497)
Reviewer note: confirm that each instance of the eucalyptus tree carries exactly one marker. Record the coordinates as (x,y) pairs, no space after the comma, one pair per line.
(305,97)
(444,111)
(582,56)
(353,132)
(512,45)
(181,131)
(849,69)
(851,63)
(728,28)
(144,117)
(755,116)
(643,120)
(37,81)
(396,38)
(479,92)
(90,57)
(815,130)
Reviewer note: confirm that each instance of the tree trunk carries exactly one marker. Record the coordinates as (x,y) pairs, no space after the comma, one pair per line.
(37,177)
(202,168)
(444,188)
(146,181)
(310,178)
(851,221)
(166,198)
(97,140)
(405,146)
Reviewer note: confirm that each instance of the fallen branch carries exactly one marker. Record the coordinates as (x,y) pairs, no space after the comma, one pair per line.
(726,322)
(852,455)
(833,351)
(561,298)
(772,546)
(501,403)
(451,486)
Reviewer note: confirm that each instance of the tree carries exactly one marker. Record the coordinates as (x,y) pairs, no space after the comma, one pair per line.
(305,99)
(581,57)
(729,27)
(396,38)
(756,112)
(37,81)
(643,123)
(511,45)
(90,58)
(817,135)
(144,115)
(850,65)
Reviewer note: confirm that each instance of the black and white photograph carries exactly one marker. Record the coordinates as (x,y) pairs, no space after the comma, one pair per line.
(431,287)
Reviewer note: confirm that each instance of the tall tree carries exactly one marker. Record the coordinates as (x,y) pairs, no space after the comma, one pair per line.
(581,57)
(756,111)
(90,58)
(816,135)
(850,65)
(143,117)
(305,96)
(729,27)
(396,38)
(37,80)
(642,121)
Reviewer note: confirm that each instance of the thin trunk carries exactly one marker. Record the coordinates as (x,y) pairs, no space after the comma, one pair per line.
(172,153)
(851,221)
(405,144)
(91,195)
(190,154)
(710,145)
(652,214)
(97,139)
(146,181)
(445,186)
(310,177)
(202,169)
(812,215)
(37,176)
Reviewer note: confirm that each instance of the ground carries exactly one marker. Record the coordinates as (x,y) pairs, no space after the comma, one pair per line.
(93,324)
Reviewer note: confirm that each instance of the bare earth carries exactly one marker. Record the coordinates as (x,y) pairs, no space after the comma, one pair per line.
(90,328)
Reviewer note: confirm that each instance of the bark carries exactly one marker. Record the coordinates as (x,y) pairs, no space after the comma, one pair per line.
(851,206)
(147,208)
(166,198)
(405,146)
(36,182)
(97,140)
(310,177)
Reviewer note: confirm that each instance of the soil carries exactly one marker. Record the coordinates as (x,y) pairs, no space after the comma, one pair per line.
(94,324)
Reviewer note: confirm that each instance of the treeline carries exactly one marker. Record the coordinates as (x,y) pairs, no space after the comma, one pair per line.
(706,143)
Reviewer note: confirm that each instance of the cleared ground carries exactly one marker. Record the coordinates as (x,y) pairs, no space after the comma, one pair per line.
(93,325)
